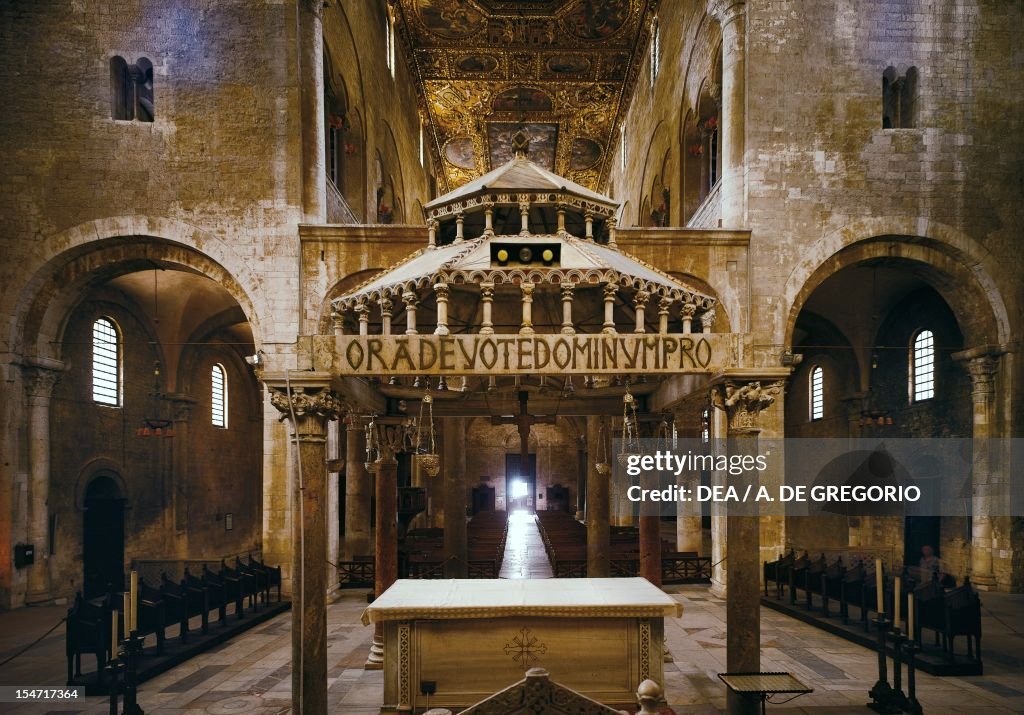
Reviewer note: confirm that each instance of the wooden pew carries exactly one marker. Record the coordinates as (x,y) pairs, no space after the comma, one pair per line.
(88,632)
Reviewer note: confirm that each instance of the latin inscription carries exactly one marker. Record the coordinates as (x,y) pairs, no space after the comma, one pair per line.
(543,354)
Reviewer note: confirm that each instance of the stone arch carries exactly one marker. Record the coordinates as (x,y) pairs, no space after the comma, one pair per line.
(725,306)
(947,256)
(343,286)
(65,264)
(98,467)
(649,168)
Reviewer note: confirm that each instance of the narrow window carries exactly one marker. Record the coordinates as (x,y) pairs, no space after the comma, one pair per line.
(122,90)
(106,363)
(817,390)
(655,50)
(622,148)
(143,76)
(218,397)
(922,366)
(713,158)
(899,99)
(389,41)
(421,143)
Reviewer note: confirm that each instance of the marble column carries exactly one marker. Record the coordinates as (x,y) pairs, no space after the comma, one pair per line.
(357,490)
(742,401)
(982,366)
(731,15)
(650,531)
(581,480)
(39,377)
(334,487)
(308,404)
(598,499)
(456,548)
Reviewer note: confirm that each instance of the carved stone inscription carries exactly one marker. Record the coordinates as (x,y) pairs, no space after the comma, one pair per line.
(538,354)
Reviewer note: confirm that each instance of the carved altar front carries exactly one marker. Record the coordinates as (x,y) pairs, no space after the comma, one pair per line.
(472,638)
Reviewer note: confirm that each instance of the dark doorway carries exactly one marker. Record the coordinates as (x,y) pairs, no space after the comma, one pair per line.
(920,531)
(520,486)
(103,537)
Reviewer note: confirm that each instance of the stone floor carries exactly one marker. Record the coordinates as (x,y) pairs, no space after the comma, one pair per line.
(524,549)
(251,674)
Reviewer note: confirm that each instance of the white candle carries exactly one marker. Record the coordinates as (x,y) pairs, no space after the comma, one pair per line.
(878,586)
(896,602)
(910,614)
(126,605)
(135,600)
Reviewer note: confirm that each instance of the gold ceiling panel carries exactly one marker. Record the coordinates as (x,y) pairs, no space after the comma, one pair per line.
(559,69)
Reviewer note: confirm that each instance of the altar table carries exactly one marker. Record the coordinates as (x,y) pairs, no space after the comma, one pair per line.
(473,637)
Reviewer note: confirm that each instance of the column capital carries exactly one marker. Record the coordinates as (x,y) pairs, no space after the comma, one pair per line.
(40,377)
(181,406)
(982,370)
(725,11)
(487,290)
(641,298)
(707,320)
(314,6)
(308,398)
(744,400)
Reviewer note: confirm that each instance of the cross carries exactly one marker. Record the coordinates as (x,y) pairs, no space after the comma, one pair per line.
(524,421)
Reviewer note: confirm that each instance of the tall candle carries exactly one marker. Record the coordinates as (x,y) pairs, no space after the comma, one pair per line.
(896,602)
(135,600)
(113,634)
(878,586)
(126,605)
(910,614)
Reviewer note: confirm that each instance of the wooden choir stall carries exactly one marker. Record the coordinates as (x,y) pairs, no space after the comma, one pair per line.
(471,638)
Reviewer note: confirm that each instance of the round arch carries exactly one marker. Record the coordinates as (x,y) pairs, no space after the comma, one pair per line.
(950,261)
(88,254)
(94,469)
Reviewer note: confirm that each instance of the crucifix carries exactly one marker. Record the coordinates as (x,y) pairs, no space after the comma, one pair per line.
(524,420)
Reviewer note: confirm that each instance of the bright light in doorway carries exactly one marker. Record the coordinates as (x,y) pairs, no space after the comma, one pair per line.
(519,489)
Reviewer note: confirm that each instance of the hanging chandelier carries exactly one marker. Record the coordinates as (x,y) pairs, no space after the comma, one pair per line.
(156,425)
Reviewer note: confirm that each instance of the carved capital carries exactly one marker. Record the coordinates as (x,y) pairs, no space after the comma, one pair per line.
(688,310)
(610,291)
(568,290)
(39,381)
(982,370)
(527,289)
(725,11)
(664,305)
(409,298)
(743,402)
(641,298)
(707,319)
(386,306)
(441,291)
(486,291)
(311,407)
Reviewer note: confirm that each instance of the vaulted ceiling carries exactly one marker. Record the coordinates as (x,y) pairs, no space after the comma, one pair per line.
(562,70)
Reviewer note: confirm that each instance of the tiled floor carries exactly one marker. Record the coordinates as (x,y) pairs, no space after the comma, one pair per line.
(524,549)
(252,673)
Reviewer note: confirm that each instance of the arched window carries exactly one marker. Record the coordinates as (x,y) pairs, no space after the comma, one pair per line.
(389,41)
(218,397)
(922,366)
(131,90)
(817,393)
(899,99)
(655,50)
(106,363)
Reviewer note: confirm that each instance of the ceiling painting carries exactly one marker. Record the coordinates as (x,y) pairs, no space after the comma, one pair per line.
(559,69)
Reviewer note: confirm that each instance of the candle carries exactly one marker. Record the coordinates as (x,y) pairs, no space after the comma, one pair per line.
(909,614)
(126,605)
(896,602)
(878,586)
(135,600)
(113,634)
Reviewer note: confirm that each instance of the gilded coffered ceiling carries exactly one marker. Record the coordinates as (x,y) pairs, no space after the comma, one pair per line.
(560,69)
